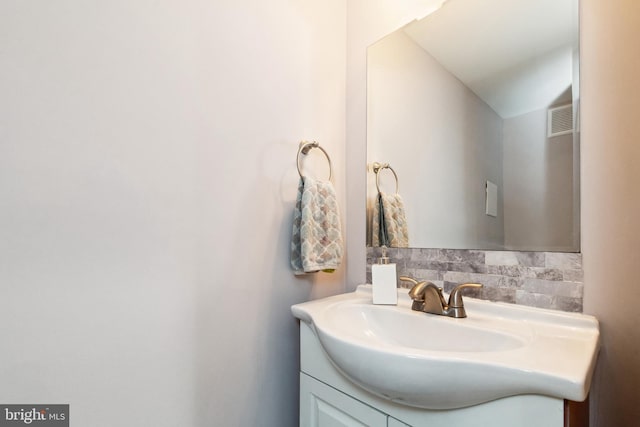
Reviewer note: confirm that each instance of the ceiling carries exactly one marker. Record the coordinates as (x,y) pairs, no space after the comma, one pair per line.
(517,55)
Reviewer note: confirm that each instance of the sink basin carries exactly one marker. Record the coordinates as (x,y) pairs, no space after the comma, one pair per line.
(437,362)
(390,327)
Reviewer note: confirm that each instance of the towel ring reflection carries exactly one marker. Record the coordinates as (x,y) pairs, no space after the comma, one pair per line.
(305,147)
(377,167)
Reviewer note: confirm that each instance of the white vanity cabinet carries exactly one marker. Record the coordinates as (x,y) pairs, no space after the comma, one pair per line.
(392,422)
(324,406)
(328,399)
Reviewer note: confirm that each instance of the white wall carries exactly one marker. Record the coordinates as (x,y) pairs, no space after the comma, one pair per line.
(422,120)
(610,94)
(538,185)
(147,181)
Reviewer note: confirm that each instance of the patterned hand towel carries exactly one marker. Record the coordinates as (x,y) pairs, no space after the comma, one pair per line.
(317,238)
(389,222)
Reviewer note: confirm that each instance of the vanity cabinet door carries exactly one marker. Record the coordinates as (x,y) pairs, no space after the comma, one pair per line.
(324,406)
(395,423)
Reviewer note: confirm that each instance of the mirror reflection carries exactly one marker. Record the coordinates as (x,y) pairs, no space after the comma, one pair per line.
(474,108)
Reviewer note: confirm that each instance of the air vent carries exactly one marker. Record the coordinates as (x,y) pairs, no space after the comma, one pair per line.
(560,121)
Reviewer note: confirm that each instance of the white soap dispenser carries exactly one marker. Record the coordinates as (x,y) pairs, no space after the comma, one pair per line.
(384,280)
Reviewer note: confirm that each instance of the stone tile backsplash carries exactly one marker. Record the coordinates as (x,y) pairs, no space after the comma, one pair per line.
(538,279)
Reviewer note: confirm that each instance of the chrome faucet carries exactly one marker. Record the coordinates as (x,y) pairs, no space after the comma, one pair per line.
(428,298)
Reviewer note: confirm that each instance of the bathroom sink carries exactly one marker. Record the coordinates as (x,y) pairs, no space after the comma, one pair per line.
(388,328)
(438,362)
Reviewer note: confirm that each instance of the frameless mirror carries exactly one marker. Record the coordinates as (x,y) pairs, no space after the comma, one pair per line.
(475,109)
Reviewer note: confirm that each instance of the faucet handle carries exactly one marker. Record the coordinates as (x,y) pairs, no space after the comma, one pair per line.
(409,279)
(455,297)
(417,291)
(426,296)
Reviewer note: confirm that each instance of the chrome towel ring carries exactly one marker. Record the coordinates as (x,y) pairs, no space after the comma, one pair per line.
(377,167)
(305,147)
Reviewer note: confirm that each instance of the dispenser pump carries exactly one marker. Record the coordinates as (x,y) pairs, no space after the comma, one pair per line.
(384,259)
